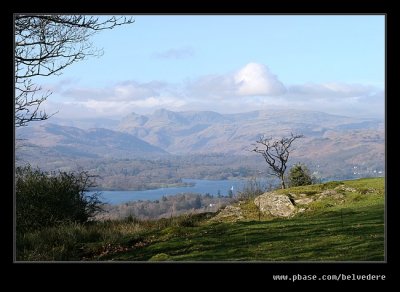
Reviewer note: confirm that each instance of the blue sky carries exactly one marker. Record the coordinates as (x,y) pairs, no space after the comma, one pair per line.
(334,64)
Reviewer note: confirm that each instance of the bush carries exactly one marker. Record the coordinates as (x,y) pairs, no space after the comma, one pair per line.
(252,189)
(48,199)
(299,175)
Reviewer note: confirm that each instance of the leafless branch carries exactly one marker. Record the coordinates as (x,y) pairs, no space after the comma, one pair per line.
(44,46)
(276,153)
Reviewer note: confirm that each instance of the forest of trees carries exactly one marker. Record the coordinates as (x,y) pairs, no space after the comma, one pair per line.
(167,206)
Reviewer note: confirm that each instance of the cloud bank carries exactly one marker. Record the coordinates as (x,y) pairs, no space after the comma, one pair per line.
(251,80)
(252,87)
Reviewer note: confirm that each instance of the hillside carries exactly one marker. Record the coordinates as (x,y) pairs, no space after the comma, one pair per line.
(348,227)
(71,142)
(202,145)
(352,230)
(326,136)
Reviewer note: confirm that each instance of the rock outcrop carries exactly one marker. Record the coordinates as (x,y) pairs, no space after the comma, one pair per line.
(275,204)
(229,213)
(304,201)
(287,205)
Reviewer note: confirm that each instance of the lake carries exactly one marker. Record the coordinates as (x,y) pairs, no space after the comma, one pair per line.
(212,187)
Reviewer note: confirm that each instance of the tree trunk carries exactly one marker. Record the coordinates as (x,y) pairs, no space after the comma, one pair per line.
(283,186)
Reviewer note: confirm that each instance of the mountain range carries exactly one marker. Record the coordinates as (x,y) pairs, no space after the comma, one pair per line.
(328,138)
(69,141)
(205,132)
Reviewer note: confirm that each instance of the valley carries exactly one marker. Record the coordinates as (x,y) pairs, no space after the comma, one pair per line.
(141,152)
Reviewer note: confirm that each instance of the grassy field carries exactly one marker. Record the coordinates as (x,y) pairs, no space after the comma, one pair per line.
(350,230)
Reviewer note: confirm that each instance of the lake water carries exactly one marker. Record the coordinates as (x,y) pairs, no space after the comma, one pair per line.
(212,187)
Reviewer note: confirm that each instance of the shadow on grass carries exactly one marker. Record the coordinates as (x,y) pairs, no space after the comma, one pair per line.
(342,235)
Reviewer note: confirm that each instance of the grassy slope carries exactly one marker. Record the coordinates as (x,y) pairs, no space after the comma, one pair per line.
(353,230)
(328,231)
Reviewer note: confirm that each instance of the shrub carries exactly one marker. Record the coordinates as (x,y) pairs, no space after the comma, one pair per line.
(252,189)
(48,199)
(299,175)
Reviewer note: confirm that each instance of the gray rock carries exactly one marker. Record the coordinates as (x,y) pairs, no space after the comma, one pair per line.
(330,194)
(304,201)
(275,204)
(229,213)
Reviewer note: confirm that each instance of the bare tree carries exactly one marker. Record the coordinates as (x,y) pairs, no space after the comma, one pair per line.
(276,153)
(44,46)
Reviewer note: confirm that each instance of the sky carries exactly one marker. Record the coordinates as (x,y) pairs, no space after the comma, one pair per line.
(228,64)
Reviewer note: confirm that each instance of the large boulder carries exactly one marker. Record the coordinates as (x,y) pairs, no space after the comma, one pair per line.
(275,204)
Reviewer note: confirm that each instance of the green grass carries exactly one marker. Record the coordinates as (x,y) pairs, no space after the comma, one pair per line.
(328,231)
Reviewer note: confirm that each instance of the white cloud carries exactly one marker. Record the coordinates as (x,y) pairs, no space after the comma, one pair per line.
(256,79)
(252,87)
(252,80)
(331,90)
(112,108)
(124,91)
(212,86)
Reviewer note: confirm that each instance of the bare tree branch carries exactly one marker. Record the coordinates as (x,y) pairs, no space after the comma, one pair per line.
(276,153)
(44,46)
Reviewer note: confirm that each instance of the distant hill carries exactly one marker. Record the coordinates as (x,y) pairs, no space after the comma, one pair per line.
(84,123)
(204,144)
(74,142)
(327,137)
